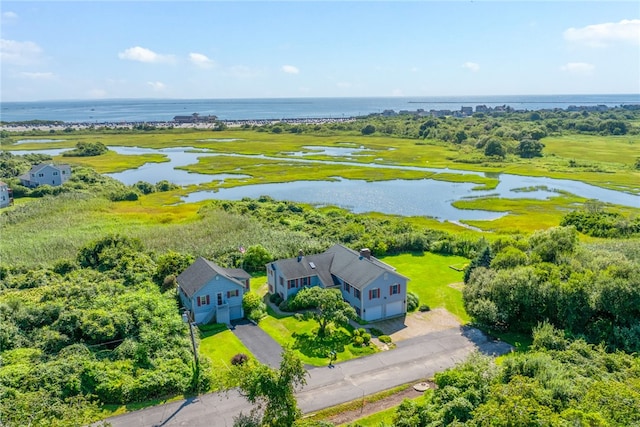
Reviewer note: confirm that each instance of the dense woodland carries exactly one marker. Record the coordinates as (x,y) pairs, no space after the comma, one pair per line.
(97,322)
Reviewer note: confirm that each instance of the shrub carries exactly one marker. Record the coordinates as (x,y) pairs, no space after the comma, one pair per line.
(366,338)
(358,341)
(385,339)
(275,299)
(376,332)
(284,306)
(239,359)
(253,306)
(413,302)
(424,308)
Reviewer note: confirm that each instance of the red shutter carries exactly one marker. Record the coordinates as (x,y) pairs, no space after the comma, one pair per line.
(198,299)
(391,290)
(208,302)
(370,294)
(399,288)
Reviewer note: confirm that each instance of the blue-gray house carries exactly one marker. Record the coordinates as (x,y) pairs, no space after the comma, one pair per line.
(374,289)
(213,293)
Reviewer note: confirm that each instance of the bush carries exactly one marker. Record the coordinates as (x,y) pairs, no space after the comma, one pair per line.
(284,306)
(385,339)
(253,306)
(366,338)
(376,332)
(424,308)
(239,359)
(412,301)
(358,341)
(275,299)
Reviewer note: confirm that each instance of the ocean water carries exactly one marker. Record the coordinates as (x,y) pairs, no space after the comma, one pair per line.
(161,110)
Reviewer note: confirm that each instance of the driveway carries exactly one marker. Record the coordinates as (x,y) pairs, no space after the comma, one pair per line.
(263,347)
(414,359)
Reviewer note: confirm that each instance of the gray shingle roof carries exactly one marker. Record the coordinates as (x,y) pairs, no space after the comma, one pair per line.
(201,272)
(340,261)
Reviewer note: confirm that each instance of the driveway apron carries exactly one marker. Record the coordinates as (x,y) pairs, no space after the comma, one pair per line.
(263,347)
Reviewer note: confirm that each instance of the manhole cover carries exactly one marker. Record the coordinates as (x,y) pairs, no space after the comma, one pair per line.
(421,387)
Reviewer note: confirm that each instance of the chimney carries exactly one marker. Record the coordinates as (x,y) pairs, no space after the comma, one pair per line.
(300,255)
(365,253)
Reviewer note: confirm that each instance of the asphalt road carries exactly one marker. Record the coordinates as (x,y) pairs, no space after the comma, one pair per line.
(414,359)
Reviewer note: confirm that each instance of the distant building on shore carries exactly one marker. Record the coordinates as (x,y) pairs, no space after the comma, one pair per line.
(195,118)
(6,195)
(46,173)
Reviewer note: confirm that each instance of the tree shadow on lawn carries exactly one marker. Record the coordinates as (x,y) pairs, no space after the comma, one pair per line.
(311,345)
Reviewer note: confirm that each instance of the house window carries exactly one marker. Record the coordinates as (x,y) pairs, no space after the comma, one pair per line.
(356,293)
(231,294)
(40,175)
(281,281)
(55,173)
(357,310)
(291,283)
(64,172)
(374,293)
(203,300)
(347,287)
(306,281)
(394,289)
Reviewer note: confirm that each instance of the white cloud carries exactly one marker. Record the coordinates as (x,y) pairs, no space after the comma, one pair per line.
(142,54)
(9,15)
(577,68)
(157,86)
(290,69)
(473,66)
(600,35)
(201,60)
(36,75)
(19,53)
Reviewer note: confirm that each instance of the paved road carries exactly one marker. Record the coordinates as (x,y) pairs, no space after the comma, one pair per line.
(413,360)
(265,348)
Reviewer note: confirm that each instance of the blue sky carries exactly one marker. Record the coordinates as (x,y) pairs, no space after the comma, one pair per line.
(53,50)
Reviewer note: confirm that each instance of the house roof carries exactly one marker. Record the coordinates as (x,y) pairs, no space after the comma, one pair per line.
(340,261)
(305,266)
(201,272)
(36,168)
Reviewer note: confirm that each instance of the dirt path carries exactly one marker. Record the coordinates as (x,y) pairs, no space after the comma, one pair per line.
(369,408)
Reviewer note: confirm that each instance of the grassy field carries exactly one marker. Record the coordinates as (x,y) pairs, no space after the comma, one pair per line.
(433,279)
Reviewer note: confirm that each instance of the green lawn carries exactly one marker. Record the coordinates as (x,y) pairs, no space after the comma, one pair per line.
(301,336)
(431,277)
(220,344)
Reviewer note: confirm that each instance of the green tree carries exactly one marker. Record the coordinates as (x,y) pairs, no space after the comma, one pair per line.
(368,129)
(256,257)
(528,148)
(329,307)
(494,148)
(272,389)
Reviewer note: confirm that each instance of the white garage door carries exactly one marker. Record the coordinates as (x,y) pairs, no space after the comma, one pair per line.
(236,312)
(373,313)
(394,309)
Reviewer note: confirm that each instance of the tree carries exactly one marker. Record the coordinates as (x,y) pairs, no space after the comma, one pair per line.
(273,389)
(528,148)
(368,129)
(329,307)
(256,257)
(494,148)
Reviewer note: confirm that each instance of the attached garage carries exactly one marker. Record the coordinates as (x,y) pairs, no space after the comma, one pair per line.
(235,312)
(394,309)
(373,313)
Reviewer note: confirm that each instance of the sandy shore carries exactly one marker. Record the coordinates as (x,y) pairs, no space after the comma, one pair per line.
(166,125)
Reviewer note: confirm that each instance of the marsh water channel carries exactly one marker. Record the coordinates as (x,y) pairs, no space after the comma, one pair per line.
(419,197)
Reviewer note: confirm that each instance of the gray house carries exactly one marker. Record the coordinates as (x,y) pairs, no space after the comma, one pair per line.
(374,289)
(211,292)
(46,173)
(6,196)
